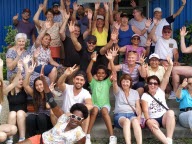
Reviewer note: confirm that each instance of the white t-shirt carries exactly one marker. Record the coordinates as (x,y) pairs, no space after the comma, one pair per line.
(155,110)
(0,108)
(165,47)
(69,99)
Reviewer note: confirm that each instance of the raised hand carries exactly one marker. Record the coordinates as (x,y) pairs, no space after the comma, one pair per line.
(41,6)
(106,6)
(16,16)
(51,86)
(89,14)
(169,60)
(36,52)
(66,15)
(148,23)
(109,55)
(183,32)
(148,42)
(114,76)
(1,62)
(184,83)
(75,6)
(26,59)
(142,59)
(114,35)
(31,67)
(155,21)
(97,5)
(115,51)
(94,56)
(68,2)
(183,2)
(20,65)
(116,25)
(70,70)
(133,3)
(71,26)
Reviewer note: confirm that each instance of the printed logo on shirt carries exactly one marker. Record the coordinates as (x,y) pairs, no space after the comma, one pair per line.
(171,45)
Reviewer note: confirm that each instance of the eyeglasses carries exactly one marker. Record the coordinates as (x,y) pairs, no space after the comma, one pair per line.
(152,83)
(90,42)
(167,32)
(135,38)
(76,117)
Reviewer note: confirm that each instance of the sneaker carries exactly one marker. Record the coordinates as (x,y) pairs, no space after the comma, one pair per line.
(172,95)
(10,141)
(113,140)
(88,139)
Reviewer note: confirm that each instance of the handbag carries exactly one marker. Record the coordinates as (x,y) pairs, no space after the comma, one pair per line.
(161,105)
(142,120)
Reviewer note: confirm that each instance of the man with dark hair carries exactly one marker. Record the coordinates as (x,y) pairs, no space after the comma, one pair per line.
(24,26)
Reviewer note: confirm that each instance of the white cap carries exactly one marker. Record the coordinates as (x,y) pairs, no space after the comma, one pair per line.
(135,35)
(157,9)
(154,55)
(100,17)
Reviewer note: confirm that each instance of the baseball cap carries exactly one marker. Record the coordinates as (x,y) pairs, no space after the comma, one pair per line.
(167,27)
(26,10)
(135,35)
(100,17)
(80,73)
(92,38)
(124,15)
(154,55)
(55,4)
(158,9)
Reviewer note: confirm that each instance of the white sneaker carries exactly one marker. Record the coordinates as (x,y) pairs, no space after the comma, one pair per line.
(88,139)
(112,140)
(10,141)
(172,95)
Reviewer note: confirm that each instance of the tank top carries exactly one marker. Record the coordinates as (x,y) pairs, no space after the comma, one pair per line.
(101,37)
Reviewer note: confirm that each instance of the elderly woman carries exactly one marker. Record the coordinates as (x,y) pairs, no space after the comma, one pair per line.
(42,54)
(127,108)
(133,69)
(53,31)
(16,53)
(155,109)
(183,95)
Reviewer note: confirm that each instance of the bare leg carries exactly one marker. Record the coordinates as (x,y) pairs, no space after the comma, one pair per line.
(137,130)
(169,122)
(158,133)
(140,91)
(53,75)
(85,124)
(107,119)
(12,118)
(8,129)
(21,118)
(126,125)
(93,116)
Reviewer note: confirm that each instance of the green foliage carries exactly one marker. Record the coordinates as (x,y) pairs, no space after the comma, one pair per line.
(186,58)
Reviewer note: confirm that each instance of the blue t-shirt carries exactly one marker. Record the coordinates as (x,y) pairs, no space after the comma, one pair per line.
(125,37)
(185,99)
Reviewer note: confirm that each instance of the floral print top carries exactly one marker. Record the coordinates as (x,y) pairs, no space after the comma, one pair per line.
(57,134)
(44,56)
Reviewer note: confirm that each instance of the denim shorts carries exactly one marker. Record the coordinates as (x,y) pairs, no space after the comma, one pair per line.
(159,120)
(117,116)
(47,69)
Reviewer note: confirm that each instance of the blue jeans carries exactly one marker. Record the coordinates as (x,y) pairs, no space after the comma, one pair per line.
(185,119)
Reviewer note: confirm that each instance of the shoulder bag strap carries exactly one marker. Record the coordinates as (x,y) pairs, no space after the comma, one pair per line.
(158,101)
(130,105)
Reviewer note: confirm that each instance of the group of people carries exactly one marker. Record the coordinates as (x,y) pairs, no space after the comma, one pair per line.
(86,55)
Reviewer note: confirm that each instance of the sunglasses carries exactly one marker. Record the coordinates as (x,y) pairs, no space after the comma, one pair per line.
(153,83)
(76,117)
(90,42)
(132,51)
(135,38)
(167,32)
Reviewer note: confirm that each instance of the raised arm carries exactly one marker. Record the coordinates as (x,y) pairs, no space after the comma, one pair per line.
(37,14)
(88,31)
(75,42)
(62,4)
(180,9)
(142,68)
(97,5)
(111,20)
(1,69)
(45,6)
(167,74)
(68,3)
(106,5)
(89,68)
(184,49)
(75,8)
(115,85)
(183,85)
(152,35)
(15,19)
(64,24)
(61,81)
